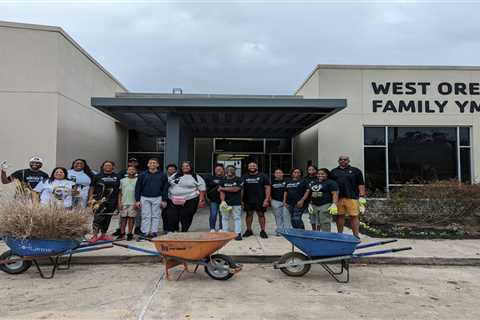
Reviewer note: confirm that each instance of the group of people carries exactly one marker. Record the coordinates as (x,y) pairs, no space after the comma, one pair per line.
(142,199)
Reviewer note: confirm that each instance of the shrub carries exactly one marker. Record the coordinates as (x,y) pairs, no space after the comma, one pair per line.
(439,203)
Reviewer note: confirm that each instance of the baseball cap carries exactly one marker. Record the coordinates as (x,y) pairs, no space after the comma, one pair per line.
(132,159)
(36,159)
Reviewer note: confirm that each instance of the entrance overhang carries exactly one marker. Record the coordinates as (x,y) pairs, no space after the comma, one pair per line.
(219,115)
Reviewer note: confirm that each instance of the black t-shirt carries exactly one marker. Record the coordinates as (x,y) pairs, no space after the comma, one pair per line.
(321,191)
(254,188)
(212,182)
(295,190)
(348,180)
(30,177)
(278,187)
(106,185)
(233,198)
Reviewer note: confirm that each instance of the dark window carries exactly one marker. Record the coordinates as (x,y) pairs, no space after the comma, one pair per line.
(374,136)
(203,155)
(465,165)
(140,142)
(279,146)
(420,155)
(464,136)
(375,171)
(238,145)
(280,161)
(144,157)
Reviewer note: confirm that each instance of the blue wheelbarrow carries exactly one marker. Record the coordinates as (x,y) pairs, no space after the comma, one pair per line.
(325,248)
(24,252)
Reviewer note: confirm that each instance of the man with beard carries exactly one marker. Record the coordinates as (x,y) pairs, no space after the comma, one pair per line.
(27,178)
(256,195)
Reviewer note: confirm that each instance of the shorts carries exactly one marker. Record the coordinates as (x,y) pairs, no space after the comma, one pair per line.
(128,211)
(255,207)
(347,206)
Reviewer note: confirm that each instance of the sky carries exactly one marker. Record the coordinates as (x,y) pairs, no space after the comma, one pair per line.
(255,47)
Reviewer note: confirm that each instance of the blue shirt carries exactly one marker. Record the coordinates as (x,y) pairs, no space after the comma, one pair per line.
(152,185)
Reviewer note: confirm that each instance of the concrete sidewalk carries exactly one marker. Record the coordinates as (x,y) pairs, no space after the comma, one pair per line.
(257,250)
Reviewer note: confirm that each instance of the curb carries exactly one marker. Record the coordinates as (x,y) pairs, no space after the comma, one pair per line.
(268,259)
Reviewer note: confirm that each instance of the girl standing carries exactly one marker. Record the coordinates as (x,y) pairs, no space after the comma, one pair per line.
(55,191)
(81,175)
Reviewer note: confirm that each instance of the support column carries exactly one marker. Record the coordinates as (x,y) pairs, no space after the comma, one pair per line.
(178,140)
(172,139)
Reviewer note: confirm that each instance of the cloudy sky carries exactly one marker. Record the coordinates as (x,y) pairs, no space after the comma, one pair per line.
(255,47)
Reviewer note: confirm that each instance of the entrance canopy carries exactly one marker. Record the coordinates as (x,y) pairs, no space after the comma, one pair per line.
(182,117)
(219,115)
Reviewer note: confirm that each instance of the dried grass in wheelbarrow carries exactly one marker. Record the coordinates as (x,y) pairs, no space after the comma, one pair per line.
(22,219)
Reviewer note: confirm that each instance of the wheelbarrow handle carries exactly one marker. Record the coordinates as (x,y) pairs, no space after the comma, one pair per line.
(372,253)
(127,246)
(376,243)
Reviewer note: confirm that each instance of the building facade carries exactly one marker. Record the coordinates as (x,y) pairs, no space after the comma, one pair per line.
(400,124)
(403,124)
(46,84)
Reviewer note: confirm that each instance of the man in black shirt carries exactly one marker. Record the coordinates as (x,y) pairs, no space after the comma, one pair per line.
(103,196)
(351,193)
(281,214)
(231,196)
(256,195)
(212,182)
(27,179)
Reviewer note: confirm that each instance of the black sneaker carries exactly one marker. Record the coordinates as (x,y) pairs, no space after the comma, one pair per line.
(137,231)
(263,234)
(117,233)
(248,233)
(121,236)
(239,237)
(129,237)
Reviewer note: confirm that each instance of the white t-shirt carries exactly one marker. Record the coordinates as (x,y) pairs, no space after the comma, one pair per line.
(185,186)
(57,192)
(82,180)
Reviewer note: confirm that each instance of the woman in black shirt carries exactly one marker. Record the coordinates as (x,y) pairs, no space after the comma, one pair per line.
(280,212)
(294,197)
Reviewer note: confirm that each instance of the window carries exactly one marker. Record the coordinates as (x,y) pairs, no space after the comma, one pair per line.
(279,145)
(140,142)
(398,155)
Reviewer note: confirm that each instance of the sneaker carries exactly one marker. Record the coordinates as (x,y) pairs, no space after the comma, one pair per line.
(137,231)
(263,234)
(239,237)
(121,237)
(129,237)
(105,238)
(93,239)
(248,233)
(117,233)
(212,230)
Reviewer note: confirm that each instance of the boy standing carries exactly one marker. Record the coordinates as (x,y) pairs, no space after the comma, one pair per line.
(126,203)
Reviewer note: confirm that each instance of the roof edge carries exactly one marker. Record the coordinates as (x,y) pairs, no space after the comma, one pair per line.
(38,27)
(385,67)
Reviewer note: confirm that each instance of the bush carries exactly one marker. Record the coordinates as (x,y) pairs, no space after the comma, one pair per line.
(439,203)
(22,219)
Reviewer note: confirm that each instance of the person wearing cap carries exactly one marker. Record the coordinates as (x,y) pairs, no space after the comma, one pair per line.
(28,178)
(132,162)
(351,194)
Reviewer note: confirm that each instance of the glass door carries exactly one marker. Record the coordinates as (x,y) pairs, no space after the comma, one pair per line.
(240,161)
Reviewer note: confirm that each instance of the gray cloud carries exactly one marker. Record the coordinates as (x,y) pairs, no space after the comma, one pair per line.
(256,47)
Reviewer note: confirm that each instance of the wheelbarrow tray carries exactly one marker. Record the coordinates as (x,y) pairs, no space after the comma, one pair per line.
(192,245)
(318,244)
(40,247)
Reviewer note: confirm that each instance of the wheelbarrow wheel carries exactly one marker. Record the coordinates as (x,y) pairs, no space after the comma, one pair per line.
(294,271)
(15,267)
(218,267)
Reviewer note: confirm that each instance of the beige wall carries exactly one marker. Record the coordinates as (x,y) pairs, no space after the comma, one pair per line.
(46,84)
(84,132)
(342,133)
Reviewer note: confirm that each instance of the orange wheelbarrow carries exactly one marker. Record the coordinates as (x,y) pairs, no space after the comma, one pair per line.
(197,248)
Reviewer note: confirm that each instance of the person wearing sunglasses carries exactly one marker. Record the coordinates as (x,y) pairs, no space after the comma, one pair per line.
(351,195)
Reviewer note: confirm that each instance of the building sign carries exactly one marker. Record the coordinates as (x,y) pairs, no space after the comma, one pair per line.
(453,96)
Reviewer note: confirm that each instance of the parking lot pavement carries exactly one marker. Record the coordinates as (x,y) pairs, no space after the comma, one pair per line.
(258,292)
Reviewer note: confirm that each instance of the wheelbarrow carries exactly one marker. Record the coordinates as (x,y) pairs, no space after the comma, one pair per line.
(195,248)
(325,248)
(24,252)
